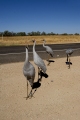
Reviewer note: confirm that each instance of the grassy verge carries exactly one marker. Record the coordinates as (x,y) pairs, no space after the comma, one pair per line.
(23,40)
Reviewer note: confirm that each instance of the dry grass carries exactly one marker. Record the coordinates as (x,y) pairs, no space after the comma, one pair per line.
(56,39)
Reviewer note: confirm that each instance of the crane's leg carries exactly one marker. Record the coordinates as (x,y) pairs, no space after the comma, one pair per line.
(67,57)
(48,59)
(48,56)
(27,90)
(38,72)
(48,63)
(30,94)
(69,61)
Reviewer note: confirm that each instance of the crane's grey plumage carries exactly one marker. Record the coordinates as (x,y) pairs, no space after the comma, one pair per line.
(37,60)
(48,49)
(28,70)
(69,52)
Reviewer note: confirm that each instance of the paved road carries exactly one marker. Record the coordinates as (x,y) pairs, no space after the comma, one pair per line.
(18,49)
(17,53)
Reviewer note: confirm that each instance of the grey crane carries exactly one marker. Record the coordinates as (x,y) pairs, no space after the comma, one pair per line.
(38,61)
(29,72)
(48,50)
(68,53)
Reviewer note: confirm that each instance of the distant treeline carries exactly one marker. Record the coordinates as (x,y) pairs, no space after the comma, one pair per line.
(8,33)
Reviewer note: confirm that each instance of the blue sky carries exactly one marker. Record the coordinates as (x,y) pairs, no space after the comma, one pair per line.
(58,16)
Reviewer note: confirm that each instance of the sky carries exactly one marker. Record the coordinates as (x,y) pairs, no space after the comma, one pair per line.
(57,16)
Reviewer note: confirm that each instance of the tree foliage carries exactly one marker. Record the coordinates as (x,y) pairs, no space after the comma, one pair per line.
(8,33)
(76,33)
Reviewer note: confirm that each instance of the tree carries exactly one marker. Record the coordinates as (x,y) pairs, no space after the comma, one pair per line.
(38,33)
(21,34)
(43,33)
(76,34)
(51,33)
(6,33)
(1,33)
(64,34)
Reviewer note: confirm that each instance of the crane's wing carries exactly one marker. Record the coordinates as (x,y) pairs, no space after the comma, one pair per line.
(39,62)
(69,51)
(49,50)
(28,70)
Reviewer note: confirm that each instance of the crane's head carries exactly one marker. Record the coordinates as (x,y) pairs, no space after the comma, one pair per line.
(27,47)
(33,41)
(44,40)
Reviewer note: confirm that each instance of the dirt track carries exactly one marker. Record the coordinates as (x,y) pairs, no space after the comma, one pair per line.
(57,98)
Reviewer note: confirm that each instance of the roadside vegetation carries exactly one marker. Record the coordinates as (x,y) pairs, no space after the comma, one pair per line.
(21,38)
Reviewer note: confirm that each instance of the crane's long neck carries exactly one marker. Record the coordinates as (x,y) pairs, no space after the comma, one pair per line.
(44,44)
(34,47)
(27,54)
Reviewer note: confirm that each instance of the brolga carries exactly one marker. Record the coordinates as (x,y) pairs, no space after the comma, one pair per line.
(48,50)
(38,61)
(68,53)
(29,72)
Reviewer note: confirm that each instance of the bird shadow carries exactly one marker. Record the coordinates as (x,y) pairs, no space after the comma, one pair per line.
(67,63)
(43,74)
(36,85)
(34,89)
(50,60)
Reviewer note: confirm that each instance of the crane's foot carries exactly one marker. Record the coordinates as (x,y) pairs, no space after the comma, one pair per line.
(27,97)
(31,94)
